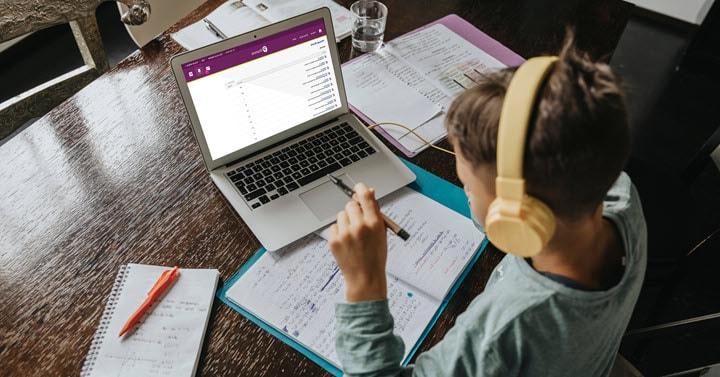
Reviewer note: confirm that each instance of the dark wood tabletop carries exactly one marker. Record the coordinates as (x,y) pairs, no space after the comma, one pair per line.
(114,176)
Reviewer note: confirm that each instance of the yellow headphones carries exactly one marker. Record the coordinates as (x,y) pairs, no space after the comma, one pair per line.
(518,223)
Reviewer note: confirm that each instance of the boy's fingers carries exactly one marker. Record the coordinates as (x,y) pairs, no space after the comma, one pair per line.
(342,221)
(368,204)
(352,208)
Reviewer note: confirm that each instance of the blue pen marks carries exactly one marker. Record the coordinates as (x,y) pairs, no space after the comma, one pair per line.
(430,247)
(335,271)
(410,294)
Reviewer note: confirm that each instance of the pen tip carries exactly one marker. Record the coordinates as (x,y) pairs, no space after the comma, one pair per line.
(403,234)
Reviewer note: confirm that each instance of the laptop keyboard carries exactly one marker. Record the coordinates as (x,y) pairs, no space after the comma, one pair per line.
(299,164)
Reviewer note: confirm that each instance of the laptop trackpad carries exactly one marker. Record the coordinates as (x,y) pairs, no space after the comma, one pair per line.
(326,200)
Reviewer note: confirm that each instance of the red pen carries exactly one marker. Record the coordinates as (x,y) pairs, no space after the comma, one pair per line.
(161,285)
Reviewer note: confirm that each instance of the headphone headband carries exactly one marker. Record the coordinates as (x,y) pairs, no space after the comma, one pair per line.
(516,112)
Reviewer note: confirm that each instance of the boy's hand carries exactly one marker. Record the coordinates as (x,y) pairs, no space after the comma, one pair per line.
(359,244)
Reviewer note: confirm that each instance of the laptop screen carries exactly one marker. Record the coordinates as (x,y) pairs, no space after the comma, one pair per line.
(258,89)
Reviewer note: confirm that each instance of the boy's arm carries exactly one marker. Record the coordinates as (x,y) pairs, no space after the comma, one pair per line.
(366,346)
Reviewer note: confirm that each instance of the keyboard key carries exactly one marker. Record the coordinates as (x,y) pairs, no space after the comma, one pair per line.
(312,160)
(354,149)
(266,172)
(240,173)
(303,141)
(276,154)
(322,163)
(325,139)
(305,171)
(345,145)
(248,180)
(255,205)
(300,149)
(274,196)
(270,179)
(235,178)
(354,158)
(251,187)
(333,142)
(278,175)
(341,138)
(269,187)
(293,186)
(313,167)
(282,191)
(320,156)
(266,164)
(284,164)
(362,154)
(264,199)
(319,174)
(297,175)
(275,160)
(257,176)
(293,160)
(287,180)
(295,167)
(363,145)
(286,171)
(355,140)
(369,150)
(336,149)
(329,160)
(275,168)
(242,189)
(254,194)
(292,153)
(304,163)
(316,142)
(260,182)
(345,161)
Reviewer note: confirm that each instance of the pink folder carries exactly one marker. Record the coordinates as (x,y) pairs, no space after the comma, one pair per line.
(472,35)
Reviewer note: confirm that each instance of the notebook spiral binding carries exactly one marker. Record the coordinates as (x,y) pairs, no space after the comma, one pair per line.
(99,336)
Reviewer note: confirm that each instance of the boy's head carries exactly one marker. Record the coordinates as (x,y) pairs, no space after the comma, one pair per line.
(577,142)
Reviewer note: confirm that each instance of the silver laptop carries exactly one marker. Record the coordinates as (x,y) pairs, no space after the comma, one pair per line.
(269,112)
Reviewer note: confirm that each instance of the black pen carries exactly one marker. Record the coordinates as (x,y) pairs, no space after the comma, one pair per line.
(393,226)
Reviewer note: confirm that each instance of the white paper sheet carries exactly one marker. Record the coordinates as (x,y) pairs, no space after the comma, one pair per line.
(278,10)
(383,97)
(232,18)
(440,54)
(295,291)
(295,288)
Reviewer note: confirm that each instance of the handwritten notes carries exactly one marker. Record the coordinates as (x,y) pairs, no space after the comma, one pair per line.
(168,340)
(295,289)
(434,62)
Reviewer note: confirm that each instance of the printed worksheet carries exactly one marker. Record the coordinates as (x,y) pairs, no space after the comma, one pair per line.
(434,63)
(295,289)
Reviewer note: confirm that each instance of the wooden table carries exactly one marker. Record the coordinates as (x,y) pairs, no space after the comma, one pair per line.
(114,176)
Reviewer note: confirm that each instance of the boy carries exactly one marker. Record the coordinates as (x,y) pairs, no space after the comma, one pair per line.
(561,312)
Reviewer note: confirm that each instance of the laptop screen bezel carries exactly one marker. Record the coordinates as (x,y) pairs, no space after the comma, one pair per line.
(178,60)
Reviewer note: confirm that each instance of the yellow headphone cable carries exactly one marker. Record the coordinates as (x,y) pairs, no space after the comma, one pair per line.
(425,142)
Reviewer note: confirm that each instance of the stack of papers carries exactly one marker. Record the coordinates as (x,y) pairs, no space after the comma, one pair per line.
(237,17)
(413,79)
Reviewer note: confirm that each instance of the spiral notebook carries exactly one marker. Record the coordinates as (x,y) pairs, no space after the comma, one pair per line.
(168,340)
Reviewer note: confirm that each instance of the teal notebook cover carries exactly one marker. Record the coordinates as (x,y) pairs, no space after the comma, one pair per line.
(426,183)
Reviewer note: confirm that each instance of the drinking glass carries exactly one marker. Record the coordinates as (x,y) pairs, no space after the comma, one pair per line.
(368,24)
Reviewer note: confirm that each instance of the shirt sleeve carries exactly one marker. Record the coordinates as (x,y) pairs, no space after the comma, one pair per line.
(366,346)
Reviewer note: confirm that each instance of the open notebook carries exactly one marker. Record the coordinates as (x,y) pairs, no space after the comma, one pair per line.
(294,290)
(427,68)
(168,340)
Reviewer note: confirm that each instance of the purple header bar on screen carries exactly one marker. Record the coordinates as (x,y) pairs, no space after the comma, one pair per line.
(231,57)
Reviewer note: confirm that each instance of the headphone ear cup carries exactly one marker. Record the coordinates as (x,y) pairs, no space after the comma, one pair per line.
(524,235)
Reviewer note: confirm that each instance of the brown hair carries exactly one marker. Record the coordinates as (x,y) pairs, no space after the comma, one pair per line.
(578,138)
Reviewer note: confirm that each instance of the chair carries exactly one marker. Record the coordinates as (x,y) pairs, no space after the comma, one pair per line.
(19,17)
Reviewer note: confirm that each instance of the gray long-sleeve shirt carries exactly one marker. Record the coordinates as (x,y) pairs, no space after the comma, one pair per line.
(524,323)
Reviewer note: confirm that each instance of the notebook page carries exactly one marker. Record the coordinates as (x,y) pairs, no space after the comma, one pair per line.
(168,340)
(443,57)
(295,291)
(442,242)
(369,81)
